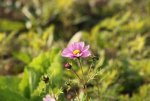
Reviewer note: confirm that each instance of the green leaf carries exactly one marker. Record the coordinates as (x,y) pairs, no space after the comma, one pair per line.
(8,95)
(46,62)
(2,36)
(13,25)
(22,56)
(9,82)
(55,70)
(75,38)
(40,88)
(40,63)
(9,89)
(48,35)
(24,84)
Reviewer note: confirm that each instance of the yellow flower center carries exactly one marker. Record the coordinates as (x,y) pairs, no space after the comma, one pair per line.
(75,52)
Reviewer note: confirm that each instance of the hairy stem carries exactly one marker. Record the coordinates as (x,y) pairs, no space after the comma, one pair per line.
(80,65)
(77,95)
(76,74)
(84,81)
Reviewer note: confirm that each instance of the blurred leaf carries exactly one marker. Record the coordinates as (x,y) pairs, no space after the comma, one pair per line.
(9,90)
(40,63)
(8,95)
(48,35)
(24,84)
(22,56)
(2,36)
(55,71)
(40,88)
(9,82)
(45,62)
(13,25)
(63,4)
(137,47)
(76,38)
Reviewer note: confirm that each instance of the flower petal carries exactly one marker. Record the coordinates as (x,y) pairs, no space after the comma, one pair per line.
(86,48)
(48,96)
(86,54)
(75,45)
(70,48)
(66,50)
(81,46)
(66,53)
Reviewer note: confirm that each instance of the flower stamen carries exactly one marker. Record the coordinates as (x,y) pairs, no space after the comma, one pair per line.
(75,52)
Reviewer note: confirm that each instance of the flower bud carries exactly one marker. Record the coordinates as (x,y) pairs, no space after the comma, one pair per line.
(45,78)
(68,66)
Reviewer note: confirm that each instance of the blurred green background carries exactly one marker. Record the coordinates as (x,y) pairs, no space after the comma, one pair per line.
(33,33)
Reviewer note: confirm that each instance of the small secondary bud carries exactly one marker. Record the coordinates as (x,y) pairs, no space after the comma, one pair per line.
(45,78)
(68,65)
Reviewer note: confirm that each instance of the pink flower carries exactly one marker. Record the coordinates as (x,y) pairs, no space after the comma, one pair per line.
(75,50)
(48,98)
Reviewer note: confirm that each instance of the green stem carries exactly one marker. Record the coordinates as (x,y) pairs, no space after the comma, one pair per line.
(90,69)
(76,74)
(84,86)
(79,80)
(80,65)
(98,89)
(77,95)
